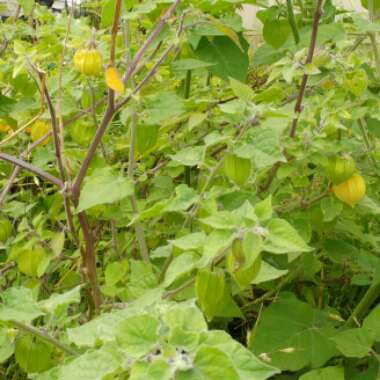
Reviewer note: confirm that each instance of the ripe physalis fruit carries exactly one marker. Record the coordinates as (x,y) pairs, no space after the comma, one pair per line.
(351,191)
(237,169)
(114,80)
(39,129)
(5,229)
(88,61)
(340,169)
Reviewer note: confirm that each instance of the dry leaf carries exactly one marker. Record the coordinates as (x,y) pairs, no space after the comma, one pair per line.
(114,80)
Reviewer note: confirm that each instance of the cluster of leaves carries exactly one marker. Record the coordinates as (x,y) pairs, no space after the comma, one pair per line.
(200,205)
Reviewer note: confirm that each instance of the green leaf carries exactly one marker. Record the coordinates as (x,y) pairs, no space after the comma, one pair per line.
(241,90)
(268,273)
(376,4)
(57,243)
(27,6)
(217,241)
(185,316)
(6,345)
(184,198)
(32,354)
(227,57)
(328,373)
(99,330)
(276,32)
(189,242)
(158,369)
(19,305)
(283,238)
(246,364)
(293,335)
(263,147)
(263,209)
(189,64)
(196,119)
(331,208)
(181,265)
(371,322)
(227,307)
(186,322)
(373,126)
(138,335)
(354,343)
(209,288)
(190,156)
(115,271)
(267,55)
(104,187)
(108,10)
(222,220)
(162,106)
(31,260)
(210,363)
(229,32)
(94,365)
(311,69)
(147,136)
(356,82)
(59,301)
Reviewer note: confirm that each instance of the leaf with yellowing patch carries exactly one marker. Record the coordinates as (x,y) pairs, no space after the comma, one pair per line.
(226,30)
(114,80)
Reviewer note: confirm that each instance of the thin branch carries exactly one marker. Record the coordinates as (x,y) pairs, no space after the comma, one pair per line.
(58,140)
(215,261)
(301,93)
(172,293)
(108,115)
(193,211)
(309,59)
(367,143)
(33,169)
(46,337)
(139,229)
(17,169)
(55,126)
(94,118)
(89,261)
(272,174)
(156,31)
(115,28)
(7,268)
(60,77)
(365,303)
(376,53)
(19,130)
(147,77)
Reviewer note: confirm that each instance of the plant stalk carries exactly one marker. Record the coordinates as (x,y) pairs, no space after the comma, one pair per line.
(362,307)
(292,21)
(46,337)
(139,229)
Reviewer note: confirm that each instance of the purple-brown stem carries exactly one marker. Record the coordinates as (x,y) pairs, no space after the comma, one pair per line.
(301,92)
(31,168)
(156,31)
(309,59)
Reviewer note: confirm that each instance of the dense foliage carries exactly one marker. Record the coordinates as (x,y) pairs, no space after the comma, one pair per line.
(183,201)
